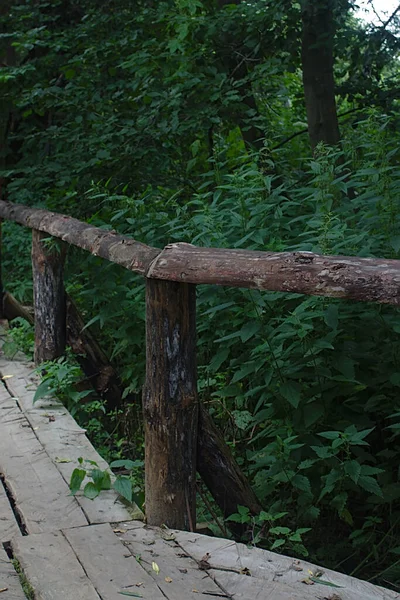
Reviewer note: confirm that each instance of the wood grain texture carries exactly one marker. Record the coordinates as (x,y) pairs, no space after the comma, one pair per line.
(52,568)
(8,524)
(170,407)
(63,440)
(10,587)
(269,567)
(366,279)
(40,493)
(109,565)
(179,574)
(48,299)
(118,249)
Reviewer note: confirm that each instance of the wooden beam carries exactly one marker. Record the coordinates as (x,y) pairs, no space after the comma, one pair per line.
(350,277)
(48,299)
(170,405)
(118,249)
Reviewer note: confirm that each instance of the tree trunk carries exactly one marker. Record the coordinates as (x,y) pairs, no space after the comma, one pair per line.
(221,473)
(170,405)
(317,62)
(48,299)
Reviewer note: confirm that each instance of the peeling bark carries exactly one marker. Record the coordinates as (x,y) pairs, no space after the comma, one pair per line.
(170,405)
(48,299)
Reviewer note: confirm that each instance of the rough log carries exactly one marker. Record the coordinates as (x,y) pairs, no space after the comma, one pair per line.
(13,309)
(1,275)
(48,299)
(116,248)
(350,277)
(221,473)
(170,405)
(93,361)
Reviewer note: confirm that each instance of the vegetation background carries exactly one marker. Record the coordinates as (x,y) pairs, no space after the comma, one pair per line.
(266,125)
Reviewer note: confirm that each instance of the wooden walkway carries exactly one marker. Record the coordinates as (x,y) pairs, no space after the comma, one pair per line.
(72,548)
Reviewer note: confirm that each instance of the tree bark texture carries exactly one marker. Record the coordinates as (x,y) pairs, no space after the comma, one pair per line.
(317,64)
(170,405)
(116,248)
(221,473)
(48,299)
(350,277)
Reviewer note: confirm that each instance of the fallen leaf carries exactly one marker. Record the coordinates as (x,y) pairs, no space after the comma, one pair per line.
(322,582)
(155,567)
(7,377)
(168,579)
(183,570)
(62,460)
(3,590)
(119,530)
(245,571)
(204,565)
(134,594)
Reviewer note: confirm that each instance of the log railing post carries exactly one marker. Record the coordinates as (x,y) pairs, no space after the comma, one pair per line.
(170,405)
(1,272)
(48,298)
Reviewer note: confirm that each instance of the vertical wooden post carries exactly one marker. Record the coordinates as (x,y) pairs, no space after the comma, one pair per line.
(48,298)
(170,405)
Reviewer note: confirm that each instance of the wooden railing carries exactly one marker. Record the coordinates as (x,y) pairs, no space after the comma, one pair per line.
(178,436)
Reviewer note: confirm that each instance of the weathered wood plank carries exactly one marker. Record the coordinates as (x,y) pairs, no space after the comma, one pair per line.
(41,495)
(63,440)
(272,567)
(8,524)
(170,405)
(366,279)
(10,587)
(109,565)
(52,568)
(118,249)
(158,545)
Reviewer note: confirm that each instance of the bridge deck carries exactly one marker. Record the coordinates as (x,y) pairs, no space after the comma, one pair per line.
(72,548)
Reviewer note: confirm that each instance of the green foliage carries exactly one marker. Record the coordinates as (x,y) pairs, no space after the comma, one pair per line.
(126,486)
(20,338)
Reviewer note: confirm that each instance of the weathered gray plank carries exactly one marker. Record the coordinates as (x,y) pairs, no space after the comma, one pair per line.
(52,568)
(63,440)
(41,495)
(272,567)
(158,545)
(109,565)
(8,523)
(10,587)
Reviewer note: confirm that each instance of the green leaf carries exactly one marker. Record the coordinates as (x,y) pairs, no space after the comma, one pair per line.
(78,475)
(126,464)
(330,435)
(331,316)
(249,330)
(46,388)
(301,483)
(370,485)
(353,469)
(123,486)
(277,544)
(322,582)
(290,390)
(91,491)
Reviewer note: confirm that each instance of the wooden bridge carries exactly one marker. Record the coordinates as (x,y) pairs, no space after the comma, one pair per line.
(73,548)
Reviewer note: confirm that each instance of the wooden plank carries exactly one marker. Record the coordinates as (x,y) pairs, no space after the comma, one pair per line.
(40,493)
(8,524)
(365,279)
(10,587)
(272,567)
(158,545)
(109,565)
(63,440)
(52,568)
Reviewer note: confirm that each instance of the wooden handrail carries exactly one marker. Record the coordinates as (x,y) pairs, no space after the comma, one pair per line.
(350,277)
(170,396)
